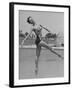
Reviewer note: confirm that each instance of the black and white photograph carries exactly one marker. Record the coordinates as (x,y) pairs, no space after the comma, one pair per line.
(41,51)
(41,44)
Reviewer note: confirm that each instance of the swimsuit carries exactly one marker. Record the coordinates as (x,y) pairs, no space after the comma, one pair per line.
(37,30)
(37,41)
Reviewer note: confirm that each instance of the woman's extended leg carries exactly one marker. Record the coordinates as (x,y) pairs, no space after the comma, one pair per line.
(38,50)
(43,44)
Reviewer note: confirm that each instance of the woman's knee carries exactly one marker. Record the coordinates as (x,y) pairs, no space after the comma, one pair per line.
(43,44)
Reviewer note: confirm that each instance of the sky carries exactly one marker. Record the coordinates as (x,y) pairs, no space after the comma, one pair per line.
(54,21)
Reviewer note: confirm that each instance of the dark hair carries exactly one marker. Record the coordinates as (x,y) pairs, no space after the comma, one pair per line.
(28,19)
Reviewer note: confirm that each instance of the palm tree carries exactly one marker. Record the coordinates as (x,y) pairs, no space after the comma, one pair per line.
(21,34)
(26,33)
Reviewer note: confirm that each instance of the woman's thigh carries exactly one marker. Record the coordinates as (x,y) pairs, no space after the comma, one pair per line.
(38,50)
(43,44)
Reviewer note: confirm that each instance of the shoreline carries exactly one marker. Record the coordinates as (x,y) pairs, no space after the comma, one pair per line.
(34,46)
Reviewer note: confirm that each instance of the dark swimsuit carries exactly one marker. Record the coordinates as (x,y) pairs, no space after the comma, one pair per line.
(37,41)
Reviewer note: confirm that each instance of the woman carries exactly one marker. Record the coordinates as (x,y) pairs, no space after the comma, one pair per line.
(38,41)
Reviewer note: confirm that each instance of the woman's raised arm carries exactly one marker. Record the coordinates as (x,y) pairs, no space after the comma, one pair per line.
(45,28)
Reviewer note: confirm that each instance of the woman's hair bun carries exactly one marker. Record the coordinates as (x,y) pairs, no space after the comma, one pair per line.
(28,19)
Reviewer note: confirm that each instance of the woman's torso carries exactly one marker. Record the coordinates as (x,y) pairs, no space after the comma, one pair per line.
(38,32)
